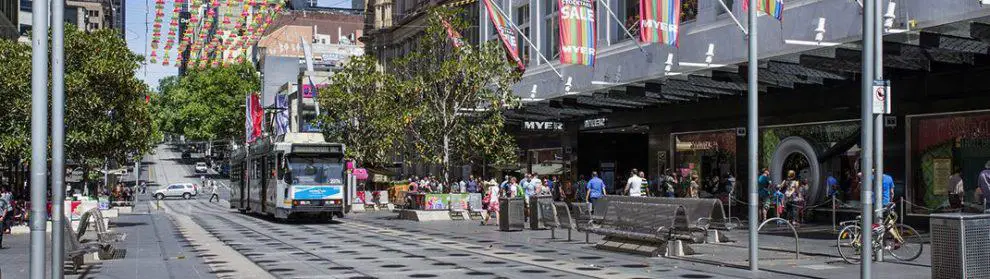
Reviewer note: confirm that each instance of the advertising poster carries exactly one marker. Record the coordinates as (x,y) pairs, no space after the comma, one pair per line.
(659,21)
(578,35)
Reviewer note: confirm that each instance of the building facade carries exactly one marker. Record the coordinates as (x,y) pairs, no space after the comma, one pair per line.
(656,107)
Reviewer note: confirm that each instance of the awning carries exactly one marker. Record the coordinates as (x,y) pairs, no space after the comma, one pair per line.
(545,169)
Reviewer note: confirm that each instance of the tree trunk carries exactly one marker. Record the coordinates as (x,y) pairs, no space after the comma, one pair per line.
(445,168)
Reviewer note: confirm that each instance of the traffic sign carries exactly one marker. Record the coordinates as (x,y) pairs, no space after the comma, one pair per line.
(881,97)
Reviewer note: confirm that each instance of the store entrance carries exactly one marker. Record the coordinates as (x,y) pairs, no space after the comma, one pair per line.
(613,154)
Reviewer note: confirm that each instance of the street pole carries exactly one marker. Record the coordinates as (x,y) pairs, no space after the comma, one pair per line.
(878,118)
(751,133)
(39,137)
(58,136)
(866,139)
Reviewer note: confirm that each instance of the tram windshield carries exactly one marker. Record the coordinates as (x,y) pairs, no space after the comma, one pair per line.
(315,170)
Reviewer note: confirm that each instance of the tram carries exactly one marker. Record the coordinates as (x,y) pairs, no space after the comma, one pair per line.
(299,176)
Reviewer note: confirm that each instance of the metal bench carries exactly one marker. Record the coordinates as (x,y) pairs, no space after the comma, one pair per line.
(707,216)
(74,250)
(103,233)
(475,207)
(557,215)
(638,225)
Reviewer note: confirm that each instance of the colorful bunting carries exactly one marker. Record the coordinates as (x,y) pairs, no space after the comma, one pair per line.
(774,8)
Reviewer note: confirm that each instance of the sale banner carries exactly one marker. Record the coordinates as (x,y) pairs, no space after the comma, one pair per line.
(578,36)
(659,21)
(507,34)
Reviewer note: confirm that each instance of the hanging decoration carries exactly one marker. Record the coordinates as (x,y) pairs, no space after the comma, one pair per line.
(578,35)
(774,8)
(659,21)
(505,33)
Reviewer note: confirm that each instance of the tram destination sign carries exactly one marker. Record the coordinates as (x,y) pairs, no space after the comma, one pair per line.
(550,126)
(315,149)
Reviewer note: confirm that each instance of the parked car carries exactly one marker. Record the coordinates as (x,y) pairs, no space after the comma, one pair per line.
(201,167)
(184,190)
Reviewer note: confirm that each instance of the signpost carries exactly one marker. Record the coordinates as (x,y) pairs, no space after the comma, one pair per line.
(881,97)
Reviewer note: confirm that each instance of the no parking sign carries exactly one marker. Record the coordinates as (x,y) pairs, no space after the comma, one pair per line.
(881,97)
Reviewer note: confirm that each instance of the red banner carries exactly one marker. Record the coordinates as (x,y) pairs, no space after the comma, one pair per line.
(506,34)
(254,116)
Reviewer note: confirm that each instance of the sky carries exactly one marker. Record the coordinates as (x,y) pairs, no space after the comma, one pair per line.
(140,17)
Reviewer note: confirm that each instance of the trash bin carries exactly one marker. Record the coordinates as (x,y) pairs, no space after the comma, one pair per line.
(511,214)
(960,245)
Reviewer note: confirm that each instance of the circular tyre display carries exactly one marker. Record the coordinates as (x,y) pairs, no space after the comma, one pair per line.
(799,146)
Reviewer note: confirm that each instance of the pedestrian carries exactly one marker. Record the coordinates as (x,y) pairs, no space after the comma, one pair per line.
(492,200)
(5,212)
(667,182)
(504,187)
(765,192)
(552,187)
(213,188)
(888,189)
(694,187)
(956,188)
(984,182)
(461,186)
(596,190)
(730,183)
(581,189)
(472,185)
(634,185)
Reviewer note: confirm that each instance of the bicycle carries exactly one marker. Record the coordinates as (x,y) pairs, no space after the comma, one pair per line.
(899,240)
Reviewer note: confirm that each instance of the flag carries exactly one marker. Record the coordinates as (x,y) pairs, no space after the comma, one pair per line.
(455,37)
(506,34)
(282,118)
(774,8)
(660,21)
(578,35)
(254,117)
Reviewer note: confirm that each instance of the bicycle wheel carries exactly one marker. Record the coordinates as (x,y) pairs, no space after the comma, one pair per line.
(849,244)
(910,245)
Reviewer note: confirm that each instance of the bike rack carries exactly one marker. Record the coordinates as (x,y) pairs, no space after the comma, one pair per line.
(797,247)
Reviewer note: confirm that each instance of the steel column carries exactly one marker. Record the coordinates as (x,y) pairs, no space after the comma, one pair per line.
(39,137)
(866,139)
(752,131)
(58,136)
(878,119)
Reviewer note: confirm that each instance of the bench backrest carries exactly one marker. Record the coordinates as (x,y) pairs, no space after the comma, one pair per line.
(698,210)
(101,227)
(548,213)
(71,241)
(83,223)
(644,215)
(564,217)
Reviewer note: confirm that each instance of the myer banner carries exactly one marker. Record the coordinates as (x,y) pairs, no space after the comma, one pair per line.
(578,36)
(659,21)
(507,34)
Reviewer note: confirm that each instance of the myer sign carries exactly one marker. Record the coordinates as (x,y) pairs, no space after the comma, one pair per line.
(594,123)
(543,126)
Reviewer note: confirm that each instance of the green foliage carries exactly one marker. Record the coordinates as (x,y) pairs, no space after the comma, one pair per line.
(364,110)
(205,104)
(105,113)
(459,96)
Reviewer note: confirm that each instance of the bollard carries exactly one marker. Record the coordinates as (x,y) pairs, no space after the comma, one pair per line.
(835,226)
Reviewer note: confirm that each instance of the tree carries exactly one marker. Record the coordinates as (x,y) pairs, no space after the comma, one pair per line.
(459,96)
(365,111)
(206,104)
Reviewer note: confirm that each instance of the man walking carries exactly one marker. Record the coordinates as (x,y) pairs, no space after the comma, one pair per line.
(984,182)
(596,190)
(213,188)
(634,185)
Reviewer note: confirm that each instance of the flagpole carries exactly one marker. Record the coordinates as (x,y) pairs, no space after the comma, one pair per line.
(623,27)
(538,53)
(733,16)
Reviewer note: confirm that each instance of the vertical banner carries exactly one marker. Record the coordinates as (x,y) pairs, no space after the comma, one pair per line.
(774,8)
(660,21)
(506,34)
(253,118)
(578,35)
(455,37)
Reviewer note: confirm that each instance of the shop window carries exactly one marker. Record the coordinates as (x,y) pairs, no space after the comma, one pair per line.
(946,151)
(689,10)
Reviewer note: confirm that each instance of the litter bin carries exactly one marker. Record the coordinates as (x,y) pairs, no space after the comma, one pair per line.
(960,245)
(511,214)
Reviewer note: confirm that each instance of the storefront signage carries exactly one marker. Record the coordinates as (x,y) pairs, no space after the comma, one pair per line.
(543,126)
(595,123)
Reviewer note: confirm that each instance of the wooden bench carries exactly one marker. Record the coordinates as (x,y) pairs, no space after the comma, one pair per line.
(640,226)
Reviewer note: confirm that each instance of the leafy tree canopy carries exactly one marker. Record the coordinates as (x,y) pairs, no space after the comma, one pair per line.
(206,104)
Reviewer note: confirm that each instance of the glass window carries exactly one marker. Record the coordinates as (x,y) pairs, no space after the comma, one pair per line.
(551,37)
(728,3)
(315,170)
(689,10)
(628,11)
(522,20)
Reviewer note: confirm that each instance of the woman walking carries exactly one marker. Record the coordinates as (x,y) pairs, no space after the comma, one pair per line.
(491,198)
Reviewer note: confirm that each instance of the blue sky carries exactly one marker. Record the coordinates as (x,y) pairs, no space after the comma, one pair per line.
(141,12)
